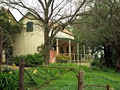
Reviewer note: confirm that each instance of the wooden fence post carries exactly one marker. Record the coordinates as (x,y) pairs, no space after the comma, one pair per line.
(107,87)
(21,74)
(80,77)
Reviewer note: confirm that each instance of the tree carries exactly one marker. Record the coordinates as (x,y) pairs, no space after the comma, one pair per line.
(55,15)
(102,21)
(108,11)
(8,30)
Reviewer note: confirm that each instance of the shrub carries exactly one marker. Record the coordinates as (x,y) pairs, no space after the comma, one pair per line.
(62,58)
(96,68)
(96,62)
(37,59)
(8,80)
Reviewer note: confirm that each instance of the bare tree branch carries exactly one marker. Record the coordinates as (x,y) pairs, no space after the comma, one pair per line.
(55,15)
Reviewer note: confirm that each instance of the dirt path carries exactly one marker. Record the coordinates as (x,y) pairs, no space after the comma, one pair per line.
(13,67)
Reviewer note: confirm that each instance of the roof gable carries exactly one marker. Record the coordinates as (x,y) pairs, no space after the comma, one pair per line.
(36,18)
(67,32)
(28,14)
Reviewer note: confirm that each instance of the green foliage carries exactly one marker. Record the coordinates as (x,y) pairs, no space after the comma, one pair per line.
(62,58)
(43,74)
(69,81)
(95,68)
(37,59)
(99,28)
(8,80)
(8,30)
(96,62)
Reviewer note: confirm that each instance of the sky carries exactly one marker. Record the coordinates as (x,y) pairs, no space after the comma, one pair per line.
(16,14)
(34,4)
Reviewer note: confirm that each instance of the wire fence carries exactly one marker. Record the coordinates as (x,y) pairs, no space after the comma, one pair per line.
(40,77)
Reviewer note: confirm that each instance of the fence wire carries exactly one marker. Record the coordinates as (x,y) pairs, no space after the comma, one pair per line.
(52,78)
(41,77)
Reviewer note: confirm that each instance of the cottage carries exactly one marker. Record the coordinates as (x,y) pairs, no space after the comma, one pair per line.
(32,37)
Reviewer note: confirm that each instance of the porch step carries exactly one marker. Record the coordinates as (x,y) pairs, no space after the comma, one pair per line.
(78,61)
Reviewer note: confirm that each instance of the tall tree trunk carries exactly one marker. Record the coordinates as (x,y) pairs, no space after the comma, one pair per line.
(47,45)
(118,61)
(1,51)
(47,54)
(0,57)
(107,55)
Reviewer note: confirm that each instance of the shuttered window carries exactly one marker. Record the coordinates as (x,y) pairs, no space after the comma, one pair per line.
(29,26)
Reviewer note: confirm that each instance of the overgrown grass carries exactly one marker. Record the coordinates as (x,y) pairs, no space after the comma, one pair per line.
(68,81)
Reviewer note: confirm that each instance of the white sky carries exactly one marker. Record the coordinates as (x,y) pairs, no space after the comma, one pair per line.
(16,14)
(35,5)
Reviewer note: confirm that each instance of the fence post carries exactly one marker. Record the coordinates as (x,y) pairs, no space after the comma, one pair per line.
(107,87)
(21,74)
(80,77)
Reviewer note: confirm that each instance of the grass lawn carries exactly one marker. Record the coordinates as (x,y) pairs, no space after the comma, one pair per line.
(68,81)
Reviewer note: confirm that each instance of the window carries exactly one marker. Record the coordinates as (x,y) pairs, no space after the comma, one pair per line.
(29,26)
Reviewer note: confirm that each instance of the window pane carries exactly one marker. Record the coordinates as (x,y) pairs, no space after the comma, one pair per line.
(29,26)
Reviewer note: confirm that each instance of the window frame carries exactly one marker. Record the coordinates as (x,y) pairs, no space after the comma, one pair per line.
(29,27)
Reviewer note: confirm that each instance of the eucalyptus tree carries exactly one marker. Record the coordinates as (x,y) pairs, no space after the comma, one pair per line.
(100,28)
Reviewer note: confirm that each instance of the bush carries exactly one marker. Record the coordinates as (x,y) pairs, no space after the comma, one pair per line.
(37,59)
(96,62)
(96,68)
(8,81)
(62,58)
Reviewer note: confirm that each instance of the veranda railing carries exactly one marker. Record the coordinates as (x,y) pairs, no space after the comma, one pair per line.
(78,57)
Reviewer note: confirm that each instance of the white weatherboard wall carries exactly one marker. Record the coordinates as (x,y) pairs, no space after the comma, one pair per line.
(27,42)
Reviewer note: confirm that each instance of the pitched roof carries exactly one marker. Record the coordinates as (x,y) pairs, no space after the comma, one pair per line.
(29,13)
(68,32)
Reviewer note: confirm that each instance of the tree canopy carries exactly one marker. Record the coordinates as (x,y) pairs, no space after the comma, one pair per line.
(8,30)
(99,28)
